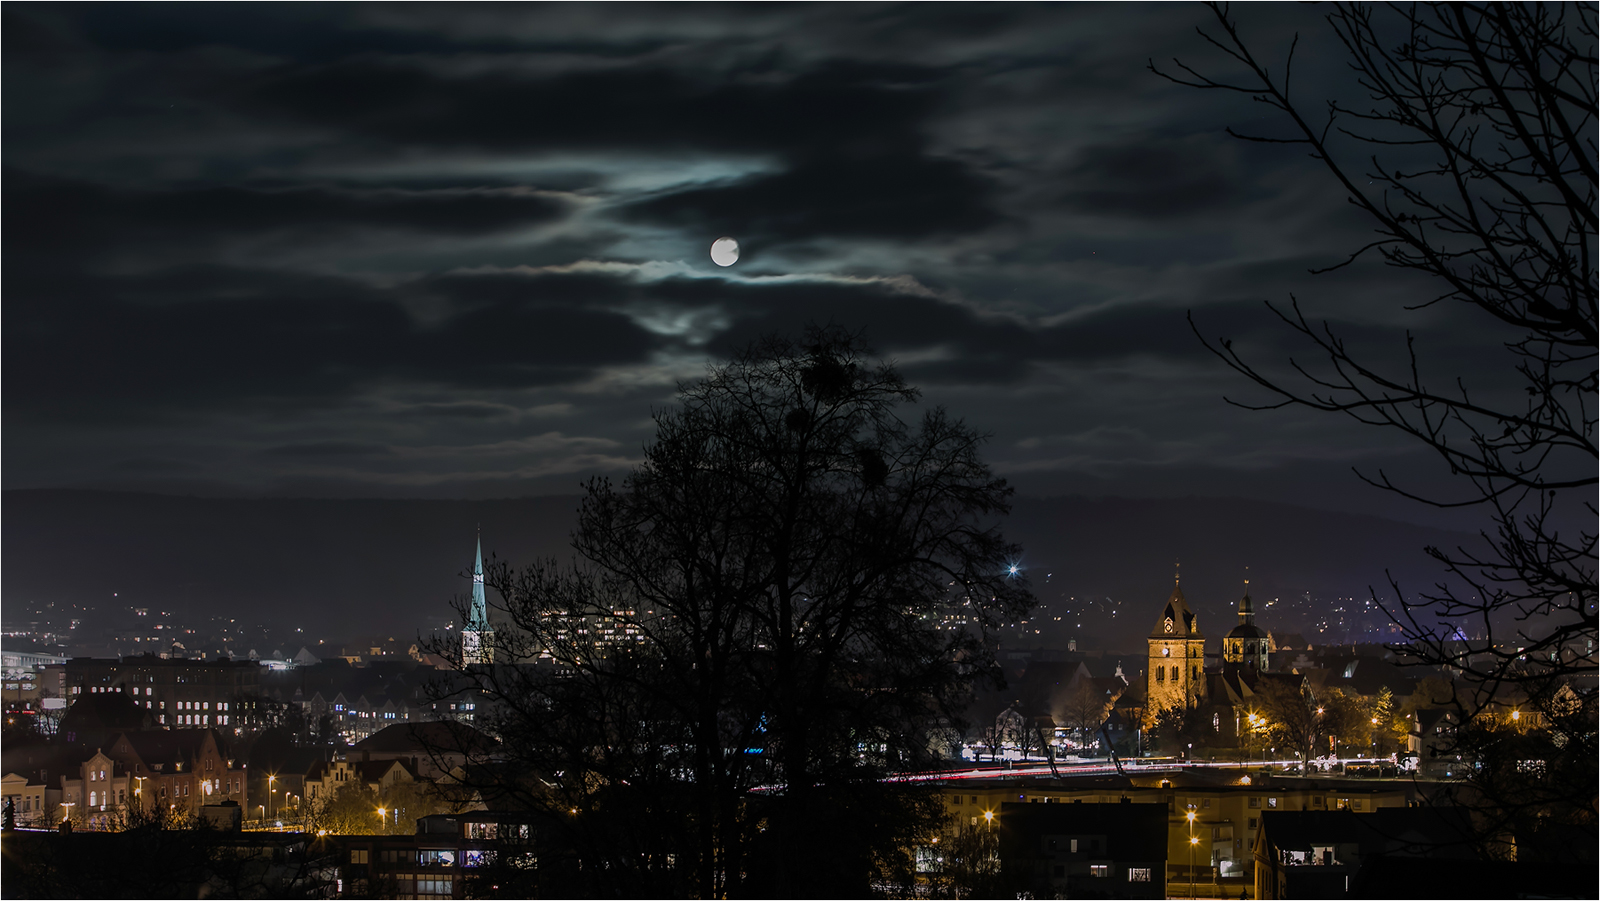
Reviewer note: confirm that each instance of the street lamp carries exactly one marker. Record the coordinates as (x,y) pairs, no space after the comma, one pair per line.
(270,783)
(383,818)
(988,818)
(1194,841)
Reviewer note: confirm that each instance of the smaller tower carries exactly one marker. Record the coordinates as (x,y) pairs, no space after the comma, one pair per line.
(477,639)
(1246,645)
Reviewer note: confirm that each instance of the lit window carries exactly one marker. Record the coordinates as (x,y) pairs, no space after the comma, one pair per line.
(1100,870)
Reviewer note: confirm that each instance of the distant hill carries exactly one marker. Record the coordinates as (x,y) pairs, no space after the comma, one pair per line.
(356,567)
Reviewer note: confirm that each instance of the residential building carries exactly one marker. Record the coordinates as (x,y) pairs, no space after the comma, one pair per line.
(1116,850)
(181,769)
(1318,853)
(326,777)
(432,750)
(435,862)
(1228,807)
(179,693)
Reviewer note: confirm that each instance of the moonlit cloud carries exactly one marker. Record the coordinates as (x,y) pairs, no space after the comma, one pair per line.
(443,250)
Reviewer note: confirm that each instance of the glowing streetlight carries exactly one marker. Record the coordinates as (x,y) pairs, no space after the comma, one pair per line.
(1193,842)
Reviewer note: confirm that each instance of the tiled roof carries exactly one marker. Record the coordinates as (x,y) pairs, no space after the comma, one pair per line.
(445,736)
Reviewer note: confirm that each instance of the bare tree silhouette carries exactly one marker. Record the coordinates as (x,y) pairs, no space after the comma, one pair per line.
(1473,156)
(760,629)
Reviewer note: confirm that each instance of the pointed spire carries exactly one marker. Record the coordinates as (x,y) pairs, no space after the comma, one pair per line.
(478,621)
(1247,607)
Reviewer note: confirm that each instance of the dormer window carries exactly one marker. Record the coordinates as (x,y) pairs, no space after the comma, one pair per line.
(1169,624)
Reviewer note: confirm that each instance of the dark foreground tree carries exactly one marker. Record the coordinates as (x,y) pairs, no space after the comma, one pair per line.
(1473,156)
(786,602)
(157,854)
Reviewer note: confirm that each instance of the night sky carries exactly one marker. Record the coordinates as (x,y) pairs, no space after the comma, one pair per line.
(447,252)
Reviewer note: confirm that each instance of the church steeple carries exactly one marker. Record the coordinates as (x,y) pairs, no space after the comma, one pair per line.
(1175,677)
(479,620)
(1247,645)
(477,639)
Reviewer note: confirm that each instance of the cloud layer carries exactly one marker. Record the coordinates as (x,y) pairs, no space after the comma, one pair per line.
(412,250)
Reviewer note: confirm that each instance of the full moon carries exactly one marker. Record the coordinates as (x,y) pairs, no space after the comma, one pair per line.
(725,251)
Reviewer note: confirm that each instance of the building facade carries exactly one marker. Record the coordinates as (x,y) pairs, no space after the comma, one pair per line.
(181,694)
(1175,675)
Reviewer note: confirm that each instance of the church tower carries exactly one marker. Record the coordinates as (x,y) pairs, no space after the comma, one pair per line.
(1246,646)
(477,639)
(1175,675)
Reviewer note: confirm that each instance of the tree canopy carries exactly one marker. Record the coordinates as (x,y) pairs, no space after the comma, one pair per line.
(786,602)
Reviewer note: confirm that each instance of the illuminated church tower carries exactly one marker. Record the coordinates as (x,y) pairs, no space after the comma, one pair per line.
(1246,645)
(1175,676)
(477,639)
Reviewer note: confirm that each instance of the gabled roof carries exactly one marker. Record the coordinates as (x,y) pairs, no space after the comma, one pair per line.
(45,764)
(443,736)
(166,747)
(1236,685)
(376,770)
(1184,622)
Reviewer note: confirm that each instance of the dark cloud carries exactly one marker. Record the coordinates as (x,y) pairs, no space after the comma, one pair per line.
(373,249)
(888,196)
(330,449)
(1154,181)
(854,108)
(224,337)
(60,218)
